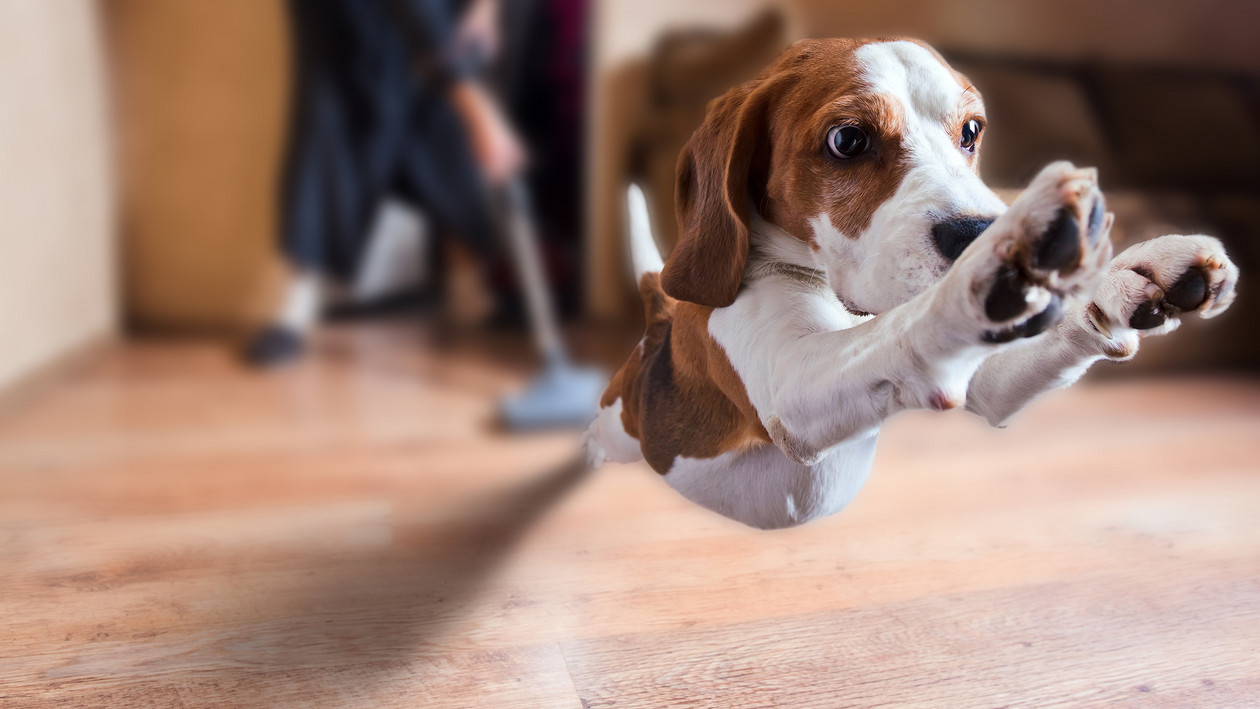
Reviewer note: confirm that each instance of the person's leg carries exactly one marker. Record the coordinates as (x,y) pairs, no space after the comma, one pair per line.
(440,176)
(347,134)
(328,195)
(304,211)
(302,200)
(468,301)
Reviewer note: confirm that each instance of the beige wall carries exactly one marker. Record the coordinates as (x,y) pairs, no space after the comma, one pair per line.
(202,95)
(56,243)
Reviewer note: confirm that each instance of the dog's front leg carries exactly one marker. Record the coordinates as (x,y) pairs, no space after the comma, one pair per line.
(1010,284)
(1146,290)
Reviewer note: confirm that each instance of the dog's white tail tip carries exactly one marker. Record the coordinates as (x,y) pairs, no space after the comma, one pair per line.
(643,251)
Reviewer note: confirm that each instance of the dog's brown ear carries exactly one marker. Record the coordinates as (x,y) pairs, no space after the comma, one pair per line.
(720,172)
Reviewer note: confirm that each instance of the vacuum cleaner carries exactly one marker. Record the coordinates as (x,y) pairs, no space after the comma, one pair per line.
(562,395)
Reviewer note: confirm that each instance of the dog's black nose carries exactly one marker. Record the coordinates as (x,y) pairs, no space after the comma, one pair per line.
(954,235)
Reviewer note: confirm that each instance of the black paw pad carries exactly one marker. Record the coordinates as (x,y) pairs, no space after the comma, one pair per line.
(1147,315)
(1061,247)
(1035,325)
(1006,298)
(1044,320)
(1189,291)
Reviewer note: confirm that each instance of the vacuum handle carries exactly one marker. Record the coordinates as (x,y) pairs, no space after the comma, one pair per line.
(524,243)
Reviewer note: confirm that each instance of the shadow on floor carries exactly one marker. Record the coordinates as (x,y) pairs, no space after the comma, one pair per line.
(392,607)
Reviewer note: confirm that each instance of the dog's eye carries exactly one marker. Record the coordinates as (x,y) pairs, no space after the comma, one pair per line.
(847,141)
(970,134)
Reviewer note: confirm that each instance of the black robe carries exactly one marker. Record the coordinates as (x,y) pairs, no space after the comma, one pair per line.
(370,118)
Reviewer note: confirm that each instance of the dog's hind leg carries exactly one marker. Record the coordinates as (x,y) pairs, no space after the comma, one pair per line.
(606,438)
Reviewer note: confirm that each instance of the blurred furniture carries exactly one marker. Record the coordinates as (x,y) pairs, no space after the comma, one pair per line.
(57,239)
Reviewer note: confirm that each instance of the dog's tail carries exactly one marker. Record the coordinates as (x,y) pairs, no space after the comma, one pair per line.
(644,254)
(658,308)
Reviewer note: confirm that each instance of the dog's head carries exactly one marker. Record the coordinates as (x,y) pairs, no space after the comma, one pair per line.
(866,150)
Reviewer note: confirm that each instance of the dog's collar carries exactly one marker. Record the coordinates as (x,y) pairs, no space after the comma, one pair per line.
(777,253)
(801,274)
(809,277)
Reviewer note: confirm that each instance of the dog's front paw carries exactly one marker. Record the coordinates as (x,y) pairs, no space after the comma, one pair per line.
(1053,243)
(1150,285)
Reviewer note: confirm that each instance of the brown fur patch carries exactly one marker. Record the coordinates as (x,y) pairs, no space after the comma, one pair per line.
(680,395)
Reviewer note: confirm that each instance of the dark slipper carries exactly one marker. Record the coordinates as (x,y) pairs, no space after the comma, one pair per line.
(274,346)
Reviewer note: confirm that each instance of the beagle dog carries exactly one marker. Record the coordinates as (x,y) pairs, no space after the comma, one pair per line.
(840,260)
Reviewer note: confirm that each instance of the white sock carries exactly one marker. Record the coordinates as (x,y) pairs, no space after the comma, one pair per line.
(299,310)
(396,255)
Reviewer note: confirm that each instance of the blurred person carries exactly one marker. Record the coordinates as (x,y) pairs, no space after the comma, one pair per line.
(387,103)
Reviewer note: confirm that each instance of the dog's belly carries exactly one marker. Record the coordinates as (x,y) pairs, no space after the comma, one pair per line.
(762,487)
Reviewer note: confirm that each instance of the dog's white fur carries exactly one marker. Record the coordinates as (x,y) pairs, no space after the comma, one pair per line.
(822,379)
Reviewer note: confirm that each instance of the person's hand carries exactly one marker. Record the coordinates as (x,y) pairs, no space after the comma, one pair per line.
(498,150)
(479,29)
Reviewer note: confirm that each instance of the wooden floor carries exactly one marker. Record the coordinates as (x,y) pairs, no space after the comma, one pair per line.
(176,531)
